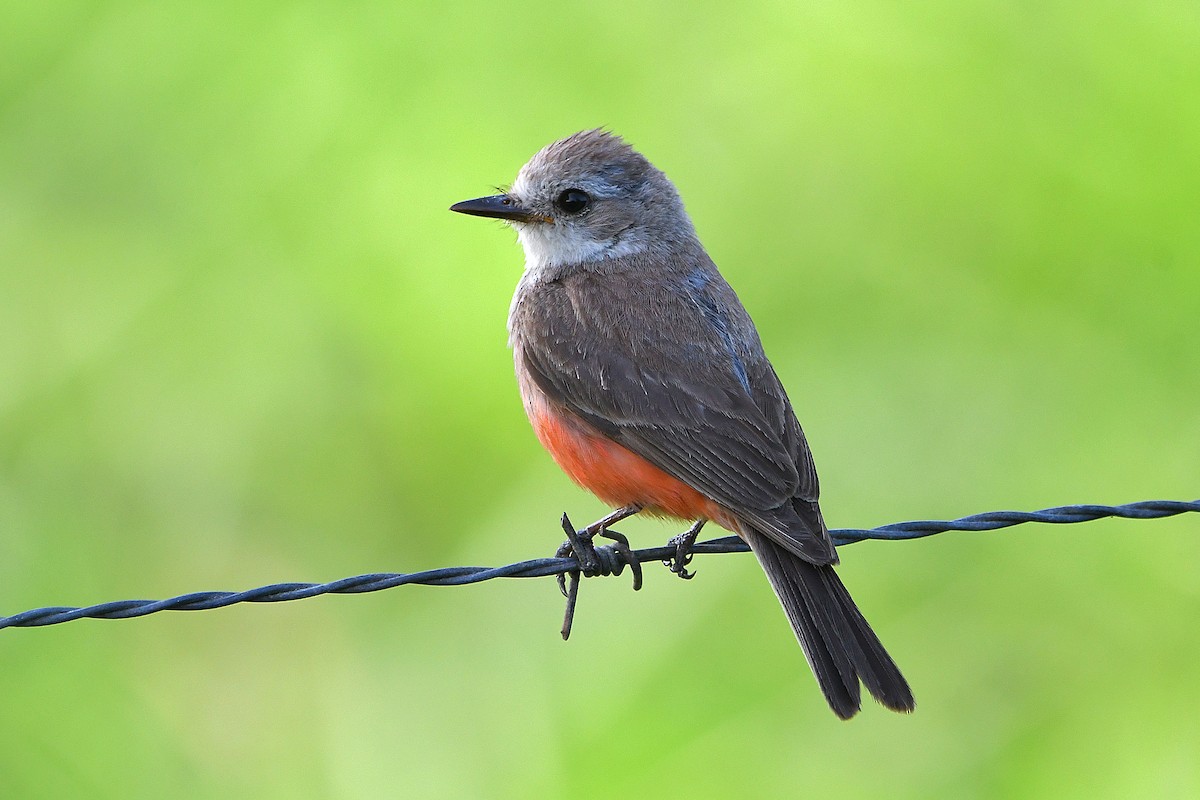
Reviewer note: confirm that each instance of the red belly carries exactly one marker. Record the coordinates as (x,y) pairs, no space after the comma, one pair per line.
(614,474)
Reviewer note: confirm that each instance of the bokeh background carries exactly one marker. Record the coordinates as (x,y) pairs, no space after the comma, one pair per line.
(242,341)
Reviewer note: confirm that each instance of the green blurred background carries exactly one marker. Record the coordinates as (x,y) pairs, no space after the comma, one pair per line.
(242,341)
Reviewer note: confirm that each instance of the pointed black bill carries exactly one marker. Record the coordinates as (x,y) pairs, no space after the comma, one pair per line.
(498,206)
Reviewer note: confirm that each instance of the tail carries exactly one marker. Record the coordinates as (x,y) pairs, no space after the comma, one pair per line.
(840,646)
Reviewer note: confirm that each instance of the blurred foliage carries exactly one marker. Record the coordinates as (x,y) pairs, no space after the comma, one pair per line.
(242,341)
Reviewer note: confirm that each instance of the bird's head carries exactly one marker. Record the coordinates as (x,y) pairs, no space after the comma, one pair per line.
(587,198)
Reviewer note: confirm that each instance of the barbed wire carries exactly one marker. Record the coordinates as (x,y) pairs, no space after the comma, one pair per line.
(544,567)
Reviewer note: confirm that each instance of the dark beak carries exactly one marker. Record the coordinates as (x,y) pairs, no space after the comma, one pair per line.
(498,206)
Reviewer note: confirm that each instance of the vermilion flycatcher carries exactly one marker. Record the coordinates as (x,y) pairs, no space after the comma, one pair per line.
(645,379)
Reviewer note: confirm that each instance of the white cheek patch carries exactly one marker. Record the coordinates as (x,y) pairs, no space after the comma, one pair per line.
(553,245)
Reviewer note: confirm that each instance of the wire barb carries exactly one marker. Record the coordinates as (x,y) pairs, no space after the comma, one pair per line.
(544,567)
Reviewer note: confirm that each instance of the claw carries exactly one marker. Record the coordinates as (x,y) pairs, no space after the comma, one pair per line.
(683,551)
(580,544)
(564,551)
(625,553)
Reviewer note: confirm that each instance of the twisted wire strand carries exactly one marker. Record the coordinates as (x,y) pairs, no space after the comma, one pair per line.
(543,567)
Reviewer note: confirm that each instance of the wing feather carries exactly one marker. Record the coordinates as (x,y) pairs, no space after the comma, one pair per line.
(675,372)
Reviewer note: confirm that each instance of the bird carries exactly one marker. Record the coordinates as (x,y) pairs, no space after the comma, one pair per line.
(645,378)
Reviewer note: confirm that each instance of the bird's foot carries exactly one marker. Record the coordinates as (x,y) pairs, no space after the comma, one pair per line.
(593,561)
(683,551)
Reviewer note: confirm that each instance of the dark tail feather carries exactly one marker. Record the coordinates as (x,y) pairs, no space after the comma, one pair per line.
(840,646)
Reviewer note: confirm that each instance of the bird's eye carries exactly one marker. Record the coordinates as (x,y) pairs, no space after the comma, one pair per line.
(573,201)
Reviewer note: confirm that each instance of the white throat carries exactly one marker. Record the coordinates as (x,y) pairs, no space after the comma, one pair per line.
(549,245)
